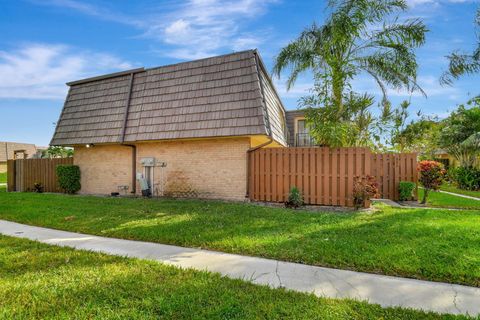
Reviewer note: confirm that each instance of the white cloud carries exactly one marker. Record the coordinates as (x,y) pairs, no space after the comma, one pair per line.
(92,10)
(301,88)
(414,3)
(202,27)
(39,71)
(429,83)
(193,29)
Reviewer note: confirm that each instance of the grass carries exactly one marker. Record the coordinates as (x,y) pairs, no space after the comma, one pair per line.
(46,282)
(443,200)
(431,244)
(454,189)
(3,177)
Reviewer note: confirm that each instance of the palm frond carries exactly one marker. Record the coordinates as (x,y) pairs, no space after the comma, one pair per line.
(460,64)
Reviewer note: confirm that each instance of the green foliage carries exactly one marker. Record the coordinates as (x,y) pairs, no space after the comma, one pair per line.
(461,123)
(466,178)
(430,244)
(57,152)
(463,63)
(3,177)
(460,133)
(445,200)
(357,38)
(295,198)
(69,178)
(431,176)
(41,281)
(405,189)
(450,187)
(420,136)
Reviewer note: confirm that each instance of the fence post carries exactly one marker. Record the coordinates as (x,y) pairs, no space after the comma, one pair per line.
(10,175)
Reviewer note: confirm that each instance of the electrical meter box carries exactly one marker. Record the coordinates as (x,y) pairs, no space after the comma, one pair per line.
(148,162)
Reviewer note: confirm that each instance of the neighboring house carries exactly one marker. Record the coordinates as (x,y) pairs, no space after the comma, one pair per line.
(15,150)
(187,128)
(298,132)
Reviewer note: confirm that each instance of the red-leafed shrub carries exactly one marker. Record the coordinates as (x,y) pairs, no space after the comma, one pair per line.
(364,188)
(431,176)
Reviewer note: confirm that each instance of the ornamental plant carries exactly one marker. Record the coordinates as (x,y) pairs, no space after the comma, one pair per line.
(295,198)
(69,178)
(466,178)
(405,189)
(431,176)
(364,188)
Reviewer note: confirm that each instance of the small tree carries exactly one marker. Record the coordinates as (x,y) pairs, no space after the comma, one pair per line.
(57,152)
(364,188)
(295,198)
(431,176)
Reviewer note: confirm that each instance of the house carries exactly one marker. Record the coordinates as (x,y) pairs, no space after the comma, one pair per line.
(15,150)
(186,128)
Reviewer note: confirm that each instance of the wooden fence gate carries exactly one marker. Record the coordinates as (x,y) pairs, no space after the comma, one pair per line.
(391,168)
(22,174)
(324,175)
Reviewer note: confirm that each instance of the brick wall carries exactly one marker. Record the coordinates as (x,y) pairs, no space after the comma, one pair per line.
(213,168)
(103,168)
(3,167)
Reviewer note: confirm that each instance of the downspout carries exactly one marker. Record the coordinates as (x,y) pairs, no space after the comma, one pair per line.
(122,137)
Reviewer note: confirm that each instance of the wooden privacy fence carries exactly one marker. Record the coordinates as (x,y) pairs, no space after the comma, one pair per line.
(391,168)
(22,174)
(324,175)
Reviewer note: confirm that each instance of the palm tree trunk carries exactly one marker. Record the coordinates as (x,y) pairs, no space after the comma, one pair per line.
(337,98)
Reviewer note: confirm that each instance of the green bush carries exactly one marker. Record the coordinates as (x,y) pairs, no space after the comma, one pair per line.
(295,198)
(406,190)
(466,178)
(69,178)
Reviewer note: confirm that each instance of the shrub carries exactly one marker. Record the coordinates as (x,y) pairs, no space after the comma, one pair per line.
(431,176)
(405,189)
(466,178)
(295,198)
(364,188)
(38,187)
(69,178)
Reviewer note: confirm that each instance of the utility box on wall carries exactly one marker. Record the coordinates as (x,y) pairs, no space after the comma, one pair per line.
(148,162)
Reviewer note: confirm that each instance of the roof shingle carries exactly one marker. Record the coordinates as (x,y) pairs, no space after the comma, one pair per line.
(218,96)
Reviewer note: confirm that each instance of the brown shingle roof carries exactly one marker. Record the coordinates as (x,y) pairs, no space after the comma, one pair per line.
(219,96)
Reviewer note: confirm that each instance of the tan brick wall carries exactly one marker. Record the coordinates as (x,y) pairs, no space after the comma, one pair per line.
(3,167)
(103,168)
(213,168)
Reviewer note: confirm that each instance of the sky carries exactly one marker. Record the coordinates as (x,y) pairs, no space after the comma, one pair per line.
(46,43)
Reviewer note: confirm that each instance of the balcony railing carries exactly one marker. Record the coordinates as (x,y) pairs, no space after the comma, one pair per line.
(304,140)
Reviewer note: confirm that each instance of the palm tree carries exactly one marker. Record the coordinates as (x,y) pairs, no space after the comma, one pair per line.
(356,39)
(462,63)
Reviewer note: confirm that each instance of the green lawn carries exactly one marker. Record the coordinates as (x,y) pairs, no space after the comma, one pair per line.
(443,200)
(3,177)
(452,188)
(47,282)
(440,245)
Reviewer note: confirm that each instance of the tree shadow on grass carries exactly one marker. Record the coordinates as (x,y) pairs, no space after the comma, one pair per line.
(412,243)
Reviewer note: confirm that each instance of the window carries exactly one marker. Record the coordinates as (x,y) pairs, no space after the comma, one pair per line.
(302,134)
(301,126)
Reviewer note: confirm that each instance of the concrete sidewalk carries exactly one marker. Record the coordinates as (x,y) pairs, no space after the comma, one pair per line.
(324,282)
(459,195)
